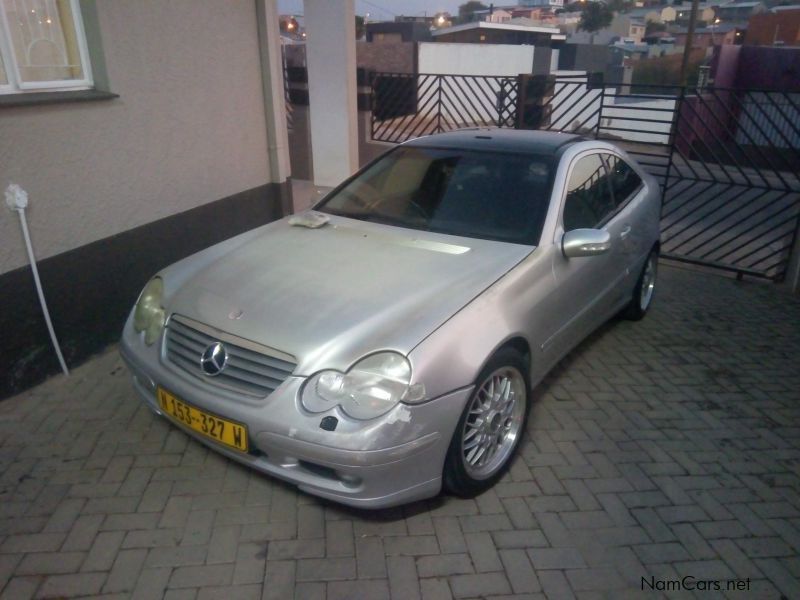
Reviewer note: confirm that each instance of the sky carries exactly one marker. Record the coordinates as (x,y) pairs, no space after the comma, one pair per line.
(385,10)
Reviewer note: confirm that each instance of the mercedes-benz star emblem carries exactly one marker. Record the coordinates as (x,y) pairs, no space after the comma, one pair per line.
(214,359)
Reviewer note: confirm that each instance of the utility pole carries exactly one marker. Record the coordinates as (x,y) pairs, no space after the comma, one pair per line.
(687,49)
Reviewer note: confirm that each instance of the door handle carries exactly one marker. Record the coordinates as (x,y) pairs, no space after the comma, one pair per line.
(624,233)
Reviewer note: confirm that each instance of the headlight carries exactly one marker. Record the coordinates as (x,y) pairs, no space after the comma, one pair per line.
(148,316)
(369,389)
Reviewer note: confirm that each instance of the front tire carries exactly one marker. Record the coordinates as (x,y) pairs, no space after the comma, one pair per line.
(645,288)
(488,433)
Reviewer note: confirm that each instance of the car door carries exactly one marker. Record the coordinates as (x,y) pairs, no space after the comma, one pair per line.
(586,290)
(628,190)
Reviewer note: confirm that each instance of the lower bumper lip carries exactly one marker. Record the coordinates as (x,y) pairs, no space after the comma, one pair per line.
(396,474)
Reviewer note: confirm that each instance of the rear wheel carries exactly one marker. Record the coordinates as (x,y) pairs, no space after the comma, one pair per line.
(645,288)
(488,433)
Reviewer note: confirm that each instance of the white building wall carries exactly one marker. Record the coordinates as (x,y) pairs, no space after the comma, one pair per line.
(475,59)
(187,129)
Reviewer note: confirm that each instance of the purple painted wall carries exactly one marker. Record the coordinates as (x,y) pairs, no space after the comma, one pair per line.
(757,67)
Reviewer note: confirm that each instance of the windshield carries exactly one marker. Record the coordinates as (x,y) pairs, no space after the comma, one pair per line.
(484,195)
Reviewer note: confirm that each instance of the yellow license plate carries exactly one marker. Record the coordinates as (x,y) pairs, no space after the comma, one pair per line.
(233,435)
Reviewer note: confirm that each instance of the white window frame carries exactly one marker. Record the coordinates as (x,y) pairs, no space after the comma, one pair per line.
(15,84)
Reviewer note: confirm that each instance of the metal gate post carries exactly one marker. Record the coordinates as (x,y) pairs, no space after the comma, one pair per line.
(600,111)
(673,134)
(439,105)
(522,87)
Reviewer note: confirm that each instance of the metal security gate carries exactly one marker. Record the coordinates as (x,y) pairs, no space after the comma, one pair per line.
(406,105)
(732,191)
(728,161)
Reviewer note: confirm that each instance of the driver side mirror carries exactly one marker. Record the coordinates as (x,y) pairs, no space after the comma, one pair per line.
(585,242)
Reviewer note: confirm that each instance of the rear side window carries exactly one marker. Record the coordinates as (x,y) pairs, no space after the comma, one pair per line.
(589,202)
(624,180)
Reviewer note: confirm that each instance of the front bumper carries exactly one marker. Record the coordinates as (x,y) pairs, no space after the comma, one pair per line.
(391,460)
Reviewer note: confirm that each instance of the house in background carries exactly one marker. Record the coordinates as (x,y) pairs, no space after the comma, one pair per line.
(778,27)
(483,32)
(398,31)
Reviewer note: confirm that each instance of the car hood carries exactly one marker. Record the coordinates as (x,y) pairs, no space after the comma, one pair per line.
(331,295)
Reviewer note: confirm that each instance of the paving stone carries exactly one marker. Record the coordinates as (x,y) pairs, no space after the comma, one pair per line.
(176,557)
(151,583)
(74,584)
(310,591)
(483,552)
(288,549)
(371,559)
(556,558)
(33,542)
(152,538)
(733,556)
(65,515)
(279,579)
(435,589)
(483,584)
(50,563)
(444,565)
(201,576)
(21,588)
(412,545)
(403,582)
(520,539)
(519,571)
(555,585)
(223,545)
(765,547)
(249,568)
(595,579)
(324,569)
(339,538)
(130,521)
(788,585)
(449,535)
(104,550)
(125,571)
(693,542)
(661,553)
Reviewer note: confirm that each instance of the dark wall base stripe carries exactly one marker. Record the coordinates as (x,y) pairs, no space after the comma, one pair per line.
(91,289)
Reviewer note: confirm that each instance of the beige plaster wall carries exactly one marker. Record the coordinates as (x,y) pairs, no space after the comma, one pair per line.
(188,128)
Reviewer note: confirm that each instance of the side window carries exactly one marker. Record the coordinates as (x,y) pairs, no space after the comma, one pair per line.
(624,180)
(589,199)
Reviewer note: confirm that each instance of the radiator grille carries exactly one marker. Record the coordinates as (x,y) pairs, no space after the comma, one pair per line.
(249,371)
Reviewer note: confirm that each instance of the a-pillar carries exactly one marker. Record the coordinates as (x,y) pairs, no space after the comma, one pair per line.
(331,63)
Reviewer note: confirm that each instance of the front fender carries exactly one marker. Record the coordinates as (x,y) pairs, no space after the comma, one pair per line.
(453,355)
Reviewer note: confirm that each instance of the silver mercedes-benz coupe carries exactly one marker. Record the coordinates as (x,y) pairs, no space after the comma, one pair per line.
(384,345)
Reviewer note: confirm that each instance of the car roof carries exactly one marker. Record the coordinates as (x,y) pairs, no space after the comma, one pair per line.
(496,139)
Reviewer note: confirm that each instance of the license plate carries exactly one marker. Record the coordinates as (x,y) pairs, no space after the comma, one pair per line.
(233,435)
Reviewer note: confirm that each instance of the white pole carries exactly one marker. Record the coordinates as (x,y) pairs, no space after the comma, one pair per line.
(17,199)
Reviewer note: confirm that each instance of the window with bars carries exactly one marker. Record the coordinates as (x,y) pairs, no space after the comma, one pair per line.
(42,47)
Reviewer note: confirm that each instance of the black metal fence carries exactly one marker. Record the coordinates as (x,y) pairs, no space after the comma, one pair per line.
(410,105)
(728,159)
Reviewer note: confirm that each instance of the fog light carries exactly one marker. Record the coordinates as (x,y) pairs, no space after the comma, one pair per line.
(349,480)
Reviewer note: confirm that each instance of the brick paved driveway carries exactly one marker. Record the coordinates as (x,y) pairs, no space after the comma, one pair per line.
(659,450)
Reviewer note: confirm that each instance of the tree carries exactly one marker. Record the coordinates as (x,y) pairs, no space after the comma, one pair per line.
(595,16)
(466,10)
(653,26)
(618,5)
